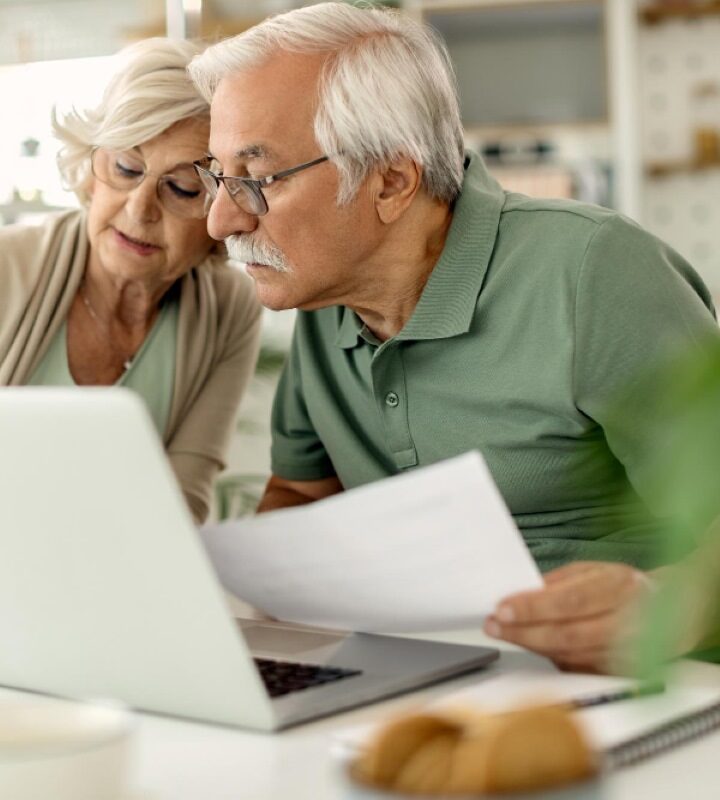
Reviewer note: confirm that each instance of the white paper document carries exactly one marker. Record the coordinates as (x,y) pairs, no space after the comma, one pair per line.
(429,549)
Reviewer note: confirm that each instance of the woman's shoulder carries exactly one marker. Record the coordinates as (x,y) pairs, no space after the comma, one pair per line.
(20,243)
(26,251)
(16,237)
(19,238)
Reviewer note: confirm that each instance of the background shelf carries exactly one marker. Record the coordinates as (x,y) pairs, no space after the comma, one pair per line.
(662,169)
(657,13)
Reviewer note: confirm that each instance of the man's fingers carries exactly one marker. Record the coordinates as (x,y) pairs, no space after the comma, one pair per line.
(595,661)
(559,639)
(604,660)
(569,571)
(577,619)
(584,593)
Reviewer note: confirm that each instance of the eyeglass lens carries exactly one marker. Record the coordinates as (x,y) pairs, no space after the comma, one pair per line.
(181,191)
(246,196)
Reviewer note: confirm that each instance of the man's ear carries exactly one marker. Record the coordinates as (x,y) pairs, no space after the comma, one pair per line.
(396,186)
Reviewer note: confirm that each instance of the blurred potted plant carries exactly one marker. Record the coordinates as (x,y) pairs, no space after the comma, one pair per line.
(685,613)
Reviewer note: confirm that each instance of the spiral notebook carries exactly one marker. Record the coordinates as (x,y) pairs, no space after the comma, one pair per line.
(627,732)
(665,737)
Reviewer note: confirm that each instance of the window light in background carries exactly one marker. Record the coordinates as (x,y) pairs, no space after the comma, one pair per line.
(29,182)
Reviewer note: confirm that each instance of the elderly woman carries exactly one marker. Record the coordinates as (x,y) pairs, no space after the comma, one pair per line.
(129,291)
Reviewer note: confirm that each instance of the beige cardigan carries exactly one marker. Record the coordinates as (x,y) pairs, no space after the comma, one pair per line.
(217,340)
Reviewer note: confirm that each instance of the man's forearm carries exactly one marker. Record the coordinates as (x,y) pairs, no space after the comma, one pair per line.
(282,493)
(276,497)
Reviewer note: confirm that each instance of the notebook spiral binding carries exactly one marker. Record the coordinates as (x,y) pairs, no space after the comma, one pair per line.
(663,738)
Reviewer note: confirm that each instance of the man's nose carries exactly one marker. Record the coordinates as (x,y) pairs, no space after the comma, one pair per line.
(226,218)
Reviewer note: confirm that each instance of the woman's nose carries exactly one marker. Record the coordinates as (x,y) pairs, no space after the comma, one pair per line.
(142,203)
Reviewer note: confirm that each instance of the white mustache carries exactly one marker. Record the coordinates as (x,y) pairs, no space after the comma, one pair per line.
(246,249)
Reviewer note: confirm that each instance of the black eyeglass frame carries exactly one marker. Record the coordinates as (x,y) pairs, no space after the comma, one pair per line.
(161,178)
(252,186)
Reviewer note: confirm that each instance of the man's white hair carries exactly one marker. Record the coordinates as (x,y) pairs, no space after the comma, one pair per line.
(387,89)
(150,92)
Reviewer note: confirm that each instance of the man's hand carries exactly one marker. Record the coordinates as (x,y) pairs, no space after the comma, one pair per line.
(585,610)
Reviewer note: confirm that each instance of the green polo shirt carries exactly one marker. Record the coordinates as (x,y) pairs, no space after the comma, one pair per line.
(538,315)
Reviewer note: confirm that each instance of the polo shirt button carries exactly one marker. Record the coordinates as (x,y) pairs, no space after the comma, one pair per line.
(391,399)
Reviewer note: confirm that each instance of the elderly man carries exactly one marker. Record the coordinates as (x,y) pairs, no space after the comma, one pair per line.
(439,313)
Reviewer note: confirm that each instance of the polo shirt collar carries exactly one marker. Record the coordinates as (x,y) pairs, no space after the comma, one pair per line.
(349,329)
(447,303)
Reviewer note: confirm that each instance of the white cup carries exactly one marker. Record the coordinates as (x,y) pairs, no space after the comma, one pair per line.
(63,750)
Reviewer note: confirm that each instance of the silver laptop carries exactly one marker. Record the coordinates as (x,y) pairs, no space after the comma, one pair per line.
(106,591)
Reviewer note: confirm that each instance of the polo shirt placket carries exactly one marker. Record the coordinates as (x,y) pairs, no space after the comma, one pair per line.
(388,377)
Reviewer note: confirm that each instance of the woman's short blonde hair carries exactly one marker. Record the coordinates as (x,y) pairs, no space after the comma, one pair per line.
(150,92)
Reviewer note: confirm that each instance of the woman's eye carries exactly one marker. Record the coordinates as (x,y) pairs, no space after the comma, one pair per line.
(128,170)
(186,192)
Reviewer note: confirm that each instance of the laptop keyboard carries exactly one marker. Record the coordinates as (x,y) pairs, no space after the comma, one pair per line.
(283,677)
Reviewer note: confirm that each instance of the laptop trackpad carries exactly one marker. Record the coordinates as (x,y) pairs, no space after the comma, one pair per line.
(281,641)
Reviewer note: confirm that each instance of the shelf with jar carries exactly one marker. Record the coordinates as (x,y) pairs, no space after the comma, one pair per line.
(664,169)
(704,135)
(656,12)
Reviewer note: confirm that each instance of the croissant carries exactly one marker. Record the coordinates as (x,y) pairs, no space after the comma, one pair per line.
(472,753)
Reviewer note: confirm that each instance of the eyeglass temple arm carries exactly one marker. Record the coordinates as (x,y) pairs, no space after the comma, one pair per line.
(286,172)
(262,181)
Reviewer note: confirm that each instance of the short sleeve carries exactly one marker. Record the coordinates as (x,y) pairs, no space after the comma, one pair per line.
(639,308)
(297,451)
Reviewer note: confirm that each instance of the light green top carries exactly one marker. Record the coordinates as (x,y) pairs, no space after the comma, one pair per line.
(151,374)
(536,318)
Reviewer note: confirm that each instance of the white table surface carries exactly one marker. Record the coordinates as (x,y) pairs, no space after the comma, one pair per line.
(181,760)
(178,760)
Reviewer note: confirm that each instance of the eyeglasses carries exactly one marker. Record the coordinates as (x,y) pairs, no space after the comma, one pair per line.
(246,193)
(181,192)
